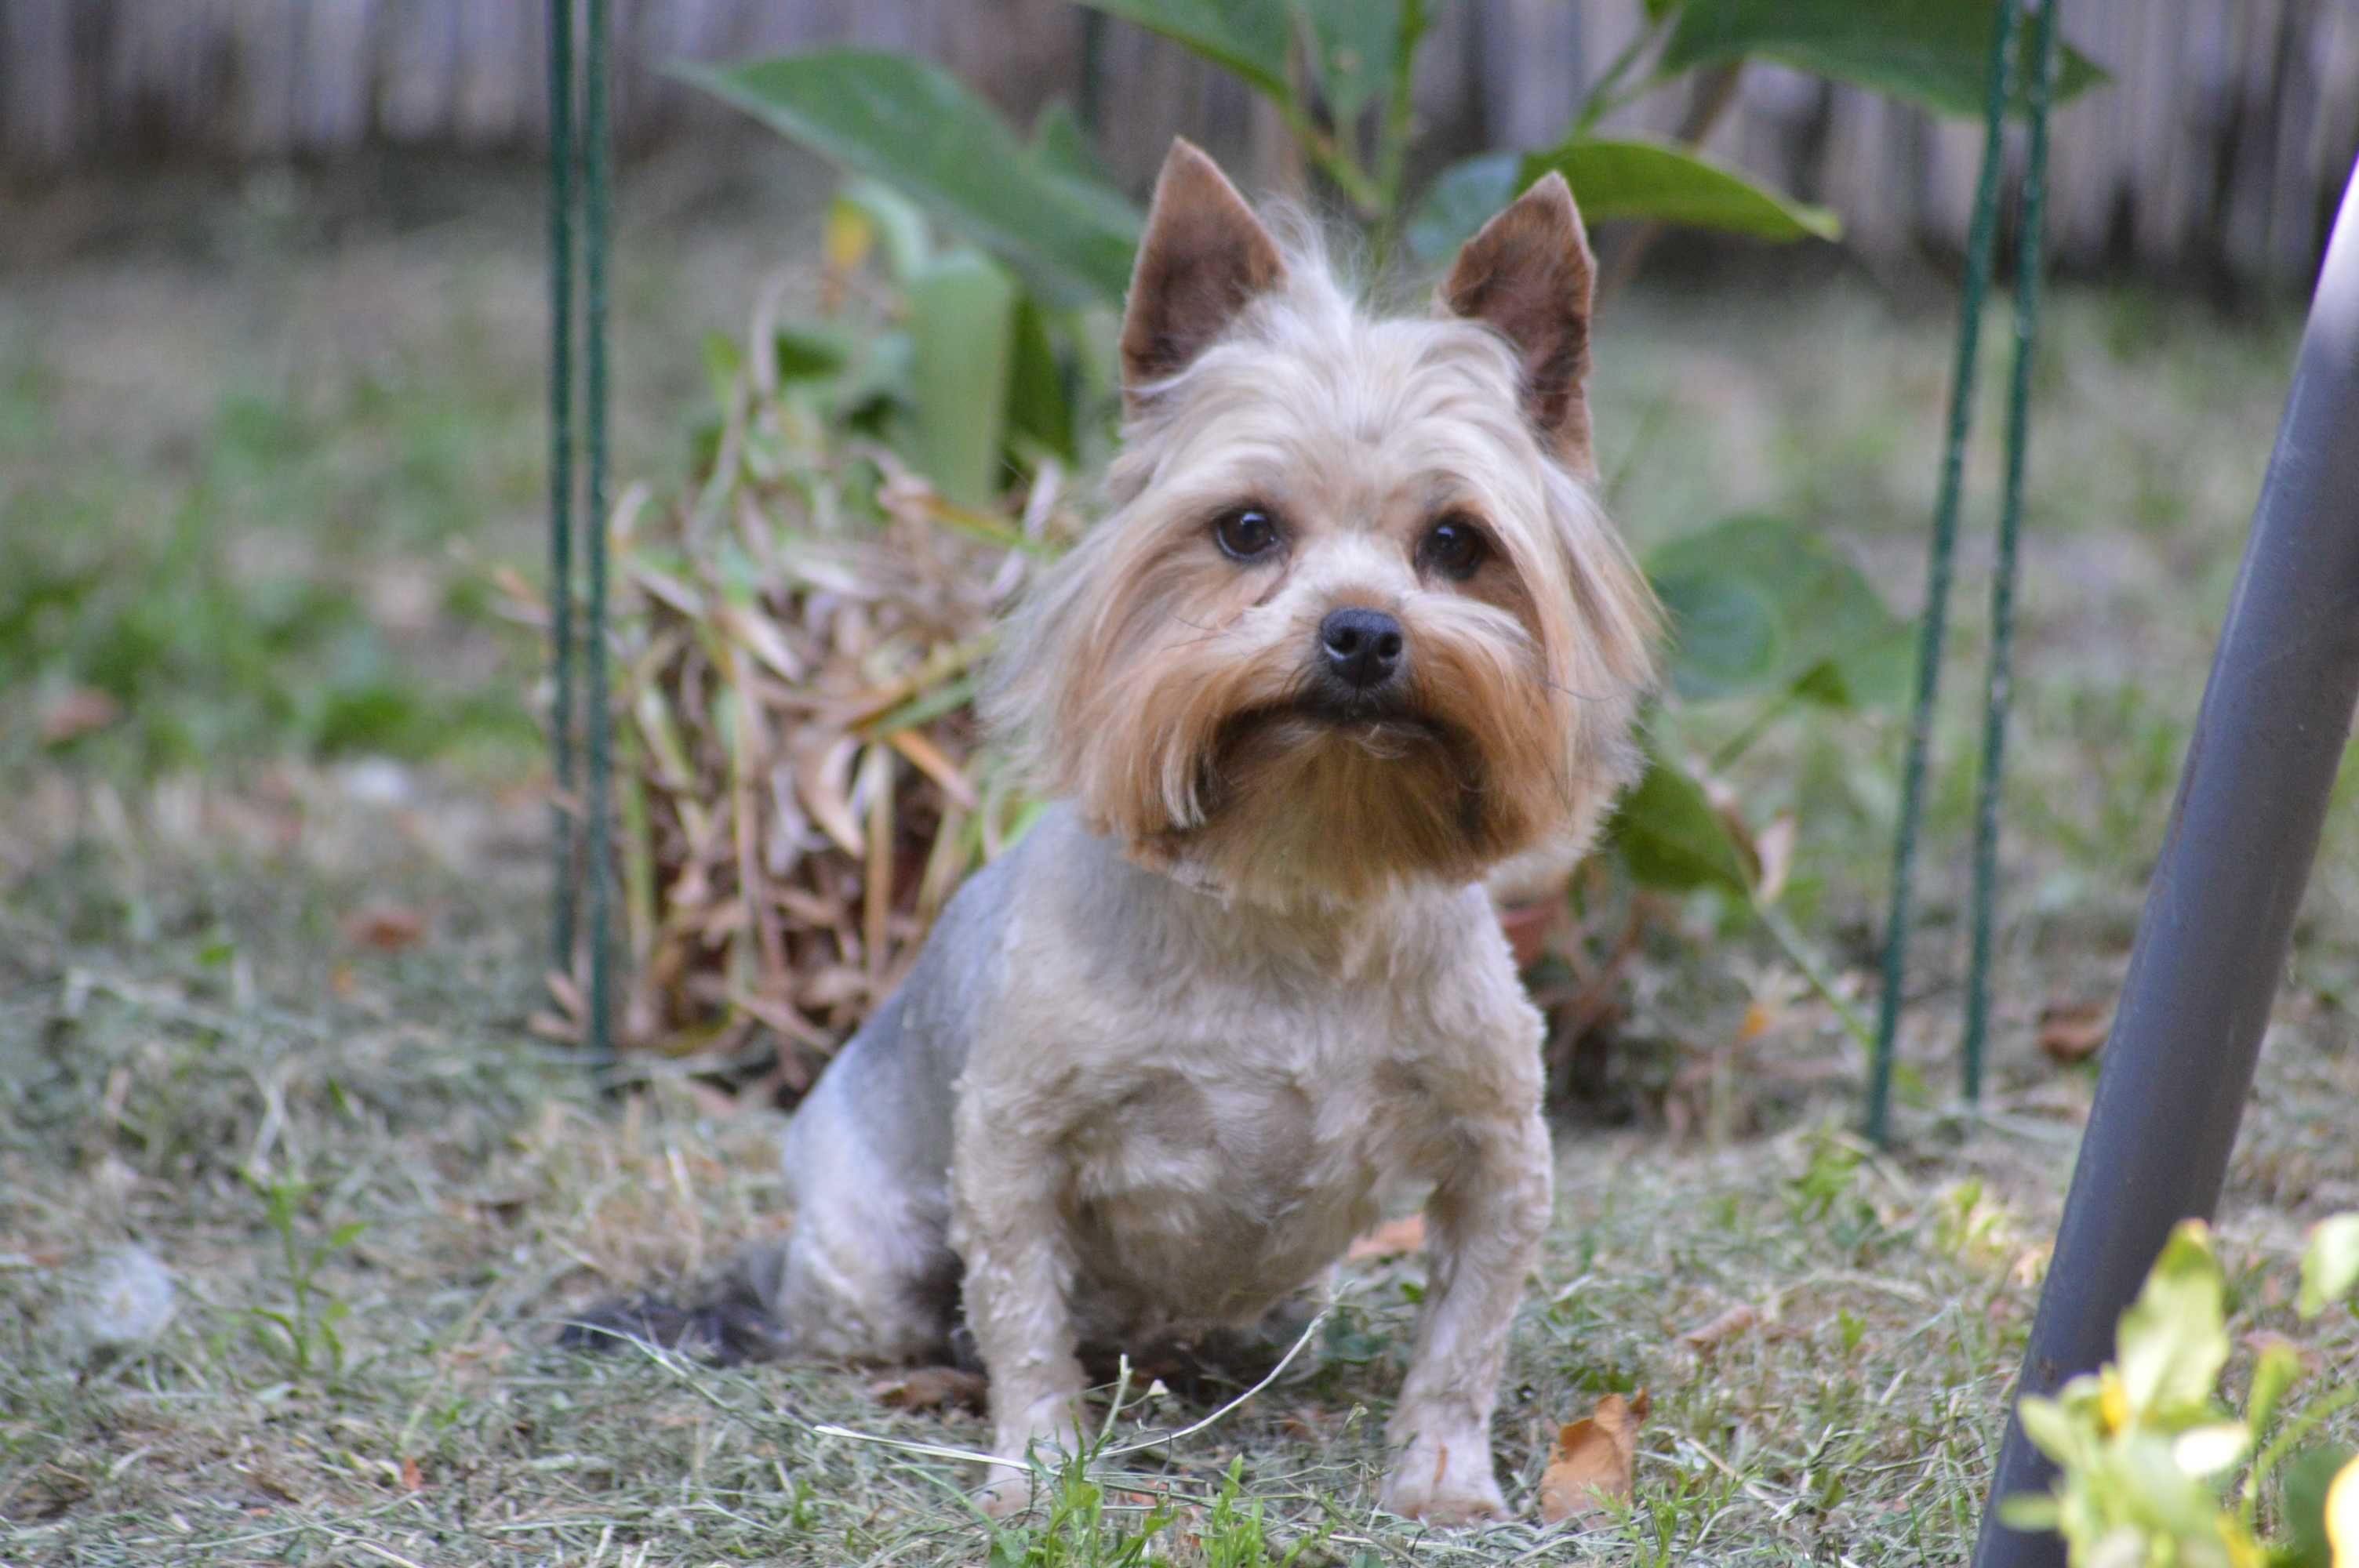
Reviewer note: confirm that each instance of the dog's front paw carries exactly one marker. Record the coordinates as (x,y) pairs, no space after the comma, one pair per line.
(1445,1483)
(1007,1491)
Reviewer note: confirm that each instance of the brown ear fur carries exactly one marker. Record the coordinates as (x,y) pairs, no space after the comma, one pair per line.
(1205,258)
(1528,275)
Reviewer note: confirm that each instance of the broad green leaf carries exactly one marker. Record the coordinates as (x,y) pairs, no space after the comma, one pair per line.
(1929,52)
(1613,176)
(1060,143)
(1038,406)
(2330,1265)
(2051,1429)
(1462,199)
(962,324)
(1249,37)
(2173,1340)
(1353,44)
(906,122)
(1758,605)
(1725,634)
(1668,835)
(2312,1476)
(1618,177)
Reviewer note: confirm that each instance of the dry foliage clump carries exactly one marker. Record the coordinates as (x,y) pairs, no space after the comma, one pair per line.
(798,788)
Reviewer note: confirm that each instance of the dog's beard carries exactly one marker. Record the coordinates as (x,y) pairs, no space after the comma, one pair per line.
(1325,801)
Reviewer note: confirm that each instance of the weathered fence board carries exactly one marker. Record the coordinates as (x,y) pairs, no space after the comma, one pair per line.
(2217,151)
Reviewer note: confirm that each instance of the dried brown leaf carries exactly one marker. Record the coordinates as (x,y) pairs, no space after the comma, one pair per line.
(386,927)
(1594,1459)
(932,1389)
(1711,1336)
(2073,1031)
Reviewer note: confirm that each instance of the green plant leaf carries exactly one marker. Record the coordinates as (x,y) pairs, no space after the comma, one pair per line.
(1038,407)
(2052,1430)
(1060,143)
(1669,836)
(1626,176)
(1929,52)
(2302,1510)
(2272,1374)
(2173,1340)
(1353,44)
(1758,605)
(962,325)
(1250,38)
(2029,1510)
(906,122)
(1613,176)
(2330,1264)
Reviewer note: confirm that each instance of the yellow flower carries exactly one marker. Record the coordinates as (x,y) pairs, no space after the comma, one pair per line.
(2342,1516)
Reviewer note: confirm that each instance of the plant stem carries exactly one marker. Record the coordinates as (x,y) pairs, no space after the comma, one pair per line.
(1602,99)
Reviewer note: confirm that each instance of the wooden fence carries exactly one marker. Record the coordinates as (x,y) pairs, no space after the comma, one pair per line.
(2218,150)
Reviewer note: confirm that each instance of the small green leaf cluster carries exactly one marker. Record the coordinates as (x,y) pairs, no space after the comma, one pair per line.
(2148,1455)
(303,1336)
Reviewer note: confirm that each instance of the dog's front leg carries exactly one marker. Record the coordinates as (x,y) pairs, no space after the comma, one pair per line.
(1010,1235)
(1483,1226)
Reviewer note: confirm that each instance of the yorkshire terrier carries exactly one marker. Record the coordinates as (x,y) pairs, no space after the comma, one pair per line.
(1353,634)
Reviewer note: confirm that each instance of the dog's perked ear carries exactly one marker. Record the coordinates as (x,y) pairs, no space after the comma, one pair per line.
(1528,275)
(1205,257)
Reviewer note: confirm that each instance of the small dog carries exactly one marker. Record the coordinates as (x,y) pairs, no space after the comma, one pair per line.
(1354,633)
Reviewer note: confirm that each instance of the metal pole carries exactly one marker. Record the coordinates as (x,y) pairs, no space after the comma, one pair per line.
(2000,682)
(564,820)
(2219,915)
(596,209)
(1942,550)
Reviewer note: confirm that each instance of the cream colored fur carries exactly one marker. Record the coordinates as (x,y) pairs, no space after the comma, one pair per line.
(1157,1067)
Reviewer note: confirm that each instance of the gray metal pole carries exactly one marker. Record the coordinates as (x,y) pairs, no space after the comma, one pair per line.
(2212,946)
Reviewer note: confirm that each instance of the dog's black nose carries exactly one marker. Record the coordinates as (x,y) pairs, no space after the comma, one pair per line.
(1362,647)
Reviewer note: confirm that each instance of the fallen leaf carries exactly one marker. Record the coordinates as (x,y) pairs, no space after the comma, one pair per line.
(1726,1327)
(76,711)
(387,927)
(412,1480)
(932,1389)
(1593,1460)
(343,983)
(1393,1239)
(2073,1031)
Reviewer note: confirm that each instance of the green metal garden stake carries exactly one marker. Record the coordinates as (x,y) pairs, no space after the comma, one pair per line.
(595,211)
(1937,585)
(581,182)
(2010,520)
(563,823)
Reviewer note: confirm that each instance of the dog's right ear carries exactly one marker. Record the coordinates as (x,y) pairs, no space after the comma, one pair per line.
(1205,258)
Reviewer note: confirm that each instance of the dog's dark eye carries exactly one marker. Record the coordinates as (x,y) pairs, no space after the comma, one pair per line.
(1454,548)
(1245,533)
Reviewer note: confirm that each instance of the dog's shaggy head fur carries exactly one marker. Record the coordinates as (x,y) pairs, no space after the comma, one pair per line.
(1287,457)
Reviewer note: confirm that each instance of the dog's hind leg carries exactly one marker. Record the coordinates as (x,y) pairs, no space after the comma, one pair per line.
(867,1273)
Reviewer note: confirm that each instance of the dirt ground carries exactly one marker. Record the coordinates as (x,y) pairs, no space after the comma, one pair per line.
(270,934)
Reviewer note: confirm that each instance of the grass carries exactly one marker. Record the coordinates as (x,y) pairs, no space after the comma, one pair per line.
(378,1195)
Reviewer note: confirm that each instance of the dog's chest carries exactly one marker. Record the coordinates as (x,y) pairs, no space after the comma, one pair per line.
(1225,1167)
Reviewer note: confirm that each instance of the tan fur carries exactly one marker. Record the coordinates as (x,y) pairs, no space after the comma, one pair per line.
(1159,1067)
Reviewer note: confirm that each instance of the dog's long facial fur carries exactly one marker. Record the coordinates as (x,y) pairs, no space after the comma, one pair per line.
(1434,469)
